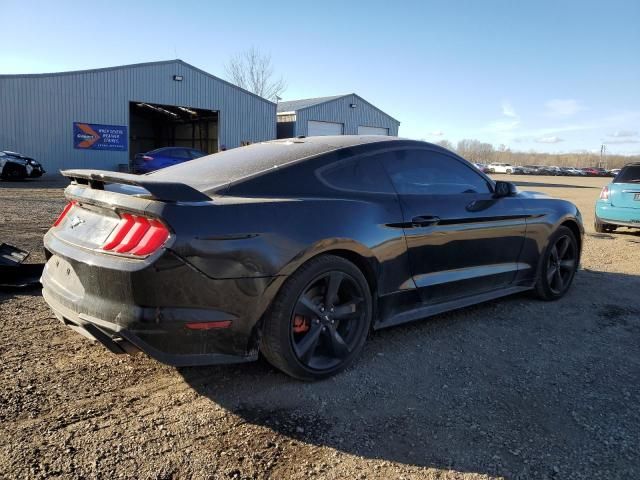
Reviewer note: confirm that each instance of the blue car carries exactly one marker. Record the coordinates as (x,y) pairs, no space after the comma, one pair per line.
(619,203)
(164,157)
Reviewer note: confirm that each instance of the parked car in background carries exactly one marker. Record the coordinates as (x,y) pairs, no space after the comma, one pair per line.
(520,170)
(482,167)
(500,168)
(619,202)
(164,157)
(614,171)
(16,166)
(591,171)
(575,172)
(553,170)
(285,248)
(541,170)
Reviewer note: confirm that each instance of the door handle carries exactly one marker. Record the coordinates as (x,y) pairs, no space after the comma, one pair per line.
(424,221)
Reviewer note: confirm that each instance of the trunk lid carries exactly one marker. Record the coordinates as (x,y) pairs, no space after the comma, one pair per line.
(86,225)
(625,195)
(107,205)
(624,191)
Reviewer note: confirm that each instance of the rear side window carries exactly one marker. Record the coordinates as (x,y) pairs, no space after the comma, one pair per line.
(181,153)
(425,172)
(629,174)
(364,174)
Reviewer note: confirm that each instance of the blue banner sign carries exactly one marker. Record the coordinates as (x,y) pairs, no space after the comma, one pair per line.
(90,136)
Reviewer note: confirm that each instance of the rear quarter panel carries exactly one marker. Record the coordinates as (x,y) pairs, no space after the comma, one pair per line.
(265,237)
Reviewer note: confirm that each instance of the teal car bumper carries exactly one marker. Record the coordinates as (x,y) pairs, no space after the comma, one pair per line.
(623,216)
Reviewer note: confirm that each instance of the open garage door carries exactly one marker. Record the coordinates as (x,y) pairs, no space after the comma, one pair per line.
(362,130)
(316,128)
(153,126)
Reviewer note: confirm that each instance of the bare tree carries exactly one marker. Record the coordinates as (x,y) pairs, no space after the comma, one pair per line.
(252,70)
(446,144)
(475,151)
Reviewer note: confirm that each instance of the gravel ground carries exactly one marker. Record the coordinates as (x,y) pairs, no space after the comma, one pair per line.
(515,388)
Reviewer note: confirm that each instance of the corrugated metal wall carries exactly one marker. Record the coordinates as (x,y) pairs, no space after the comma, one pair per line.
(37,111)
(339,111)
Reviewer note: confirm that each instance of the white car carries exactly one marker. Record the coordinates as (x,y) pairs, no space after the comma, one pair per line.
(500,168)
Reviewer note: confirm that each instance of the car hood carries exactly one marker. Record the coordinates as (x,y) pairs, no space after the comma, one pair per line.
(532,194)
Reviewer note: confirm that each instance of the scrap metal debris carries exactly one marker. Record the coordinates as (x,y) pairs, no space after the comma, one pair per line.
(14,274)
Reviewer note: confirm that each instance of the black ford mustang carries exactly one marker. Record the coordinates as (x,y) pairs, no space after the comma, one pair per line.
(296,248)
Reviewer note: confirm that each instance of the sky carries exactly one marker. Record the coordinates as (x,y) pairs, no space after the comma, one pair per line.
(551,76)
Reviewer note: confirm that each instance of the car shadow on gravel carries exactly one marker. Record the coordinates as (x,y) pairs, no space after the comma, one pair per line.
(516,387)
(49,181)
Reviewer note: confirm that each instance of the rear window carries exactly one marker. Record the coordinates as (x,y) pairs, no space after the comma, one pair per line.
(629,174)
(358,175)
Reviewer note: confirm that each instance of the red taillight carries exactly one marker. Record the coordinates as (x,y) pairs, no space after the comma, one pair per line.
(147,158)
(134,235)
(208,325)
(153,239)
(64,212)
(137,235)
(604,194)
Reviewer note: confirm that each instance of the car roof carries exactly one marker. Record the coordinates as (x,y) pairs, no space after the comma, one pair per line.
(207,174)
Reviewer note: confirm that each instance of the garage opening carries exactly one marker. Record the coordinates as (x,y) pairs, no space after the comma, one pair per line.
(364,130)
(316,127)
(153,126)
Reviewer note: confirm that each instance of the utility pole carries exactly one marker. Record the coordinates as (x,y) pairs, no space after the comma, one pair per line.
(603,156)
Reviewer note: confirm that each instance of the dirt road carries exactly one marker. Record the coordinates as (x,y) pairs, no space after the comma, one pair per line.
(514,388)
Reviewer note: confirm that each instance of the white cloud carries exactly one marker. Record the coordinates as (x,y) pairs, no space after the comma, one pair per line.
(500,126)
(623,133)
(508,110)
(562,107)
(552,139)
(437,133)
(620,141)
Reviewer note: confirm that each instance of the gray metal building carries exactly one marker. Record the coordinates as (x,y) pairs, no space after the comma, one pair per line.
(339,115)
(101,118)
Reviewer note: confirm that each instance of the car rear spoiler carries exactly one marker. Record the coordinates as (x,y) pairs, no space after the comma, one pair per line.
(161,190)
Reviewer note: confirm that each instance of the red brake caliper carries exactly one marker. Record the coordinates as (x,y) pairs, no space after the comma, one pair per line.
(300,324)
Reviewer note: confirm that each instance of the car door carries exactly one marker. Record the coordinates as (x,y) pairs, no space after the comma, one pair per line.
(461,240)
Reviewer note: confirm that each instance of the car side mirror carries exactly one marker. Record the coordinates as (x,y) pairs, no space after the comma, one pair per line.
(504,189)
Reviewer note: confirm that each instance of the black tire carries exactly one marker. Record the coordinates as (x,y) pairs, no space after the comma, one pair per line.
(13,172)
(600,227)
(558,265)
(283,341)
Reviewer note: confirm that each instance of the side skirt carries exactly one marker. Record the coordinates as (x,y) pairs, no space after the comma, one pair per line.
(430,310)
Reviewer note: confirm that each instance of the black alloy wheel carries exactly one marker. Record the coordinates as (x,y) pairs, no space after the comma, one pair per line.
(320,319)
(327,320)
(558,265)
(561,265)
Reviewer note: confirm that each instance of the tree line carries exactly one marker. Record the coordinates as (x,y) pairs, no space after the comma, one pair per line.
(481,152)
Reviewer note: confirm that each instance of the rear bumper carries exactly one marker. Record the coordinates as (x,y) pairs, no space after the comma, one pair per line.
(146,306)
(120,340)
(623,216)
